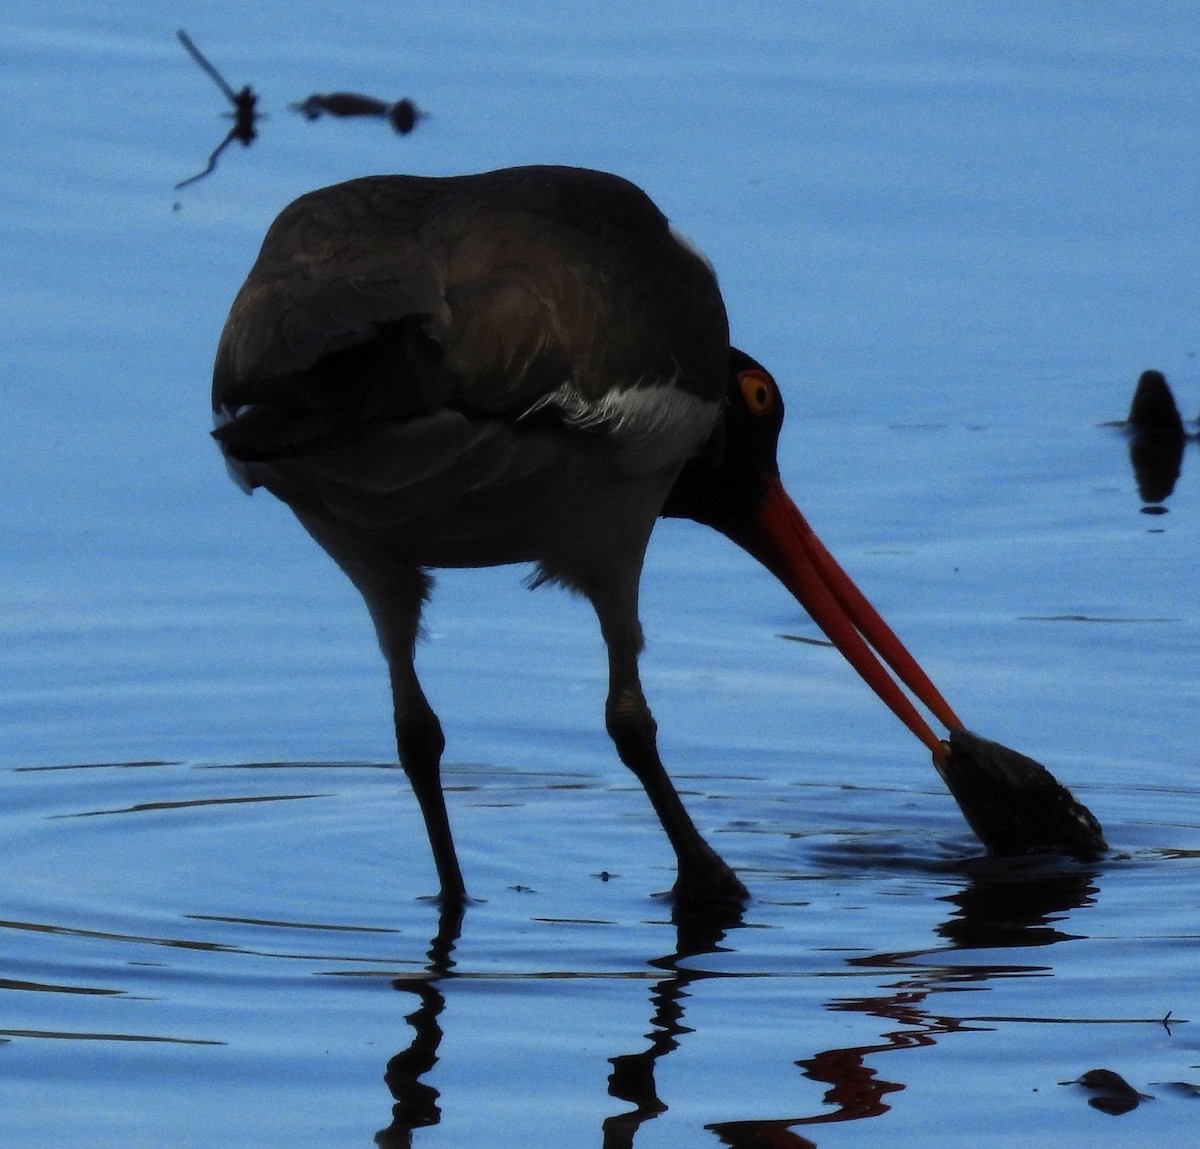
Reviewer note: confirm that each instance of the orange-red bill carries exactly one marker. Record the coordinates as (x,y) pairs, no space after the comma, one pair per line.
(789,548)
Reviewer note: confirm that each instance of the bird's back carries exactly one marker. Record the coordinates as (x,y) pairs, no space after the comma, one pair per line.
(455,336)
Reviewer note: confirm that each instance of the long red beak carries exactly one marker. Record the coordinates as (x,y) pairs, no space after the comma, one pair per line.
(787,546)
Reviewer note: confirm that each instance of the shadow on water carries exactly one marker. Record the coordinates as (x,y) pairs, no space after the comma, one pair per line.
(1000,906)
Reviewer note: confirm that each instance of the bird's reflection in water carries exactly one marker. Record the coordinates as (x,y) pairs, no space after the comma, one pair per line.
(1015,902)
(632,1077)
(416,1102)
(1002,905)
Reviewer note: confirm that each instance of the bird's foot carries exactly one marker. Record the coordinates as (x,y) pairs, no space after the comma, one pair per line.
(709,884)
(450,902)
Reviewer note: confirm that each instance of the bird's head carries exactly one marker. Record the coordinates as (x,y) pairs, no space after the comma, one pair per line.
(733,486)
(724,486)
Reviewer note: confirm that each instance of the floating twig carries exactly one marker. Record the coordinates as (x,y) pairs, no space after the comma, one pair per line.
(245,113)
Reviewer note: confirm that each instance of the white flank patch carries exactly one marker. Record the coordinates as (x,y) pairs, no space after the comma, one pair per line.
(238,471)
(653,426)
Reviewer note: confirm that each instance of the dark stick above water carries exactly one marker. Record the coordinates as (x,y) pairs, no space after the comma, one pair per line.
(245,110)
(402,114)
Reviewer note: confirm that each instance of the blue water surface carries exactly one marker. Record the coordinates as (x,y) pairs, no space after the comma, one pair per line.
(957,235)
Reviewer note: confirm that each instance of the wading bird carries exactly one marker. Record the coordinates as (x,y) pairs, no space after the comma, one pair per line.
(529,366)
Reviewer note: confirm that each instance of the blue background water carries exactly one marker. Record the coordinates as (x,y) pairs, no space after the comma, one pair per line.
(956,236)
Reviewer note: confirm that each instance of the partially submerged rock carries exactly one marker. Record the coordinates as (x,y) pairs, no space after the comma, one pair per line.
(1156,439)
(1113,1094)
(1153,408)
(1014,804)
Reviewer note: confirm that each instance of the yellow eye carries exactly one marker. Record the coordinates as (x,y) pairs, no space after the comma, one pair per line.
(758,392)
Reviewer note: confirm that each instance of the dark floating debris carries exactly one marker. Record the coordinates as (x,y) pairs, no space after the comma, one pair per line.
(1014,804)
(403,114)
(1156,440)
(1153,407)
(1114,1095)
(245,113)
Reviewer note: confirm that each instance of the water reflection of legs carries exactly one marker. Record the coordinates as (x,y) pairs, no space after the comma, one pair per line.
(416,1102)
(632,1078)
(1007,904)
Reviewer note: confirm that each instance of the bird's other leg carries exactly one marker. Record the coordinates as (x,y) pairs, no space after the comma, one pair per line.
(703,876)
(420,742)
(396,611)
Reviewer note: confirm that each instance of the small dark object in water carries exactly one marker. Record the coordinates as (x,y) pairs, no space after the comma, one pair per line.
(403,114)
(1114,1094)
(1153,407)
(1156,440)
(1014,804)
(340,104)
(244,114)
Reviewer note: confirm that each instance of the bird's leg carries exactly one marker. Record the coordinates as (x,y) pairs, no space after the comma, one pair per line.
(419,739)
(394,594)
(703,875)
(420,742)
